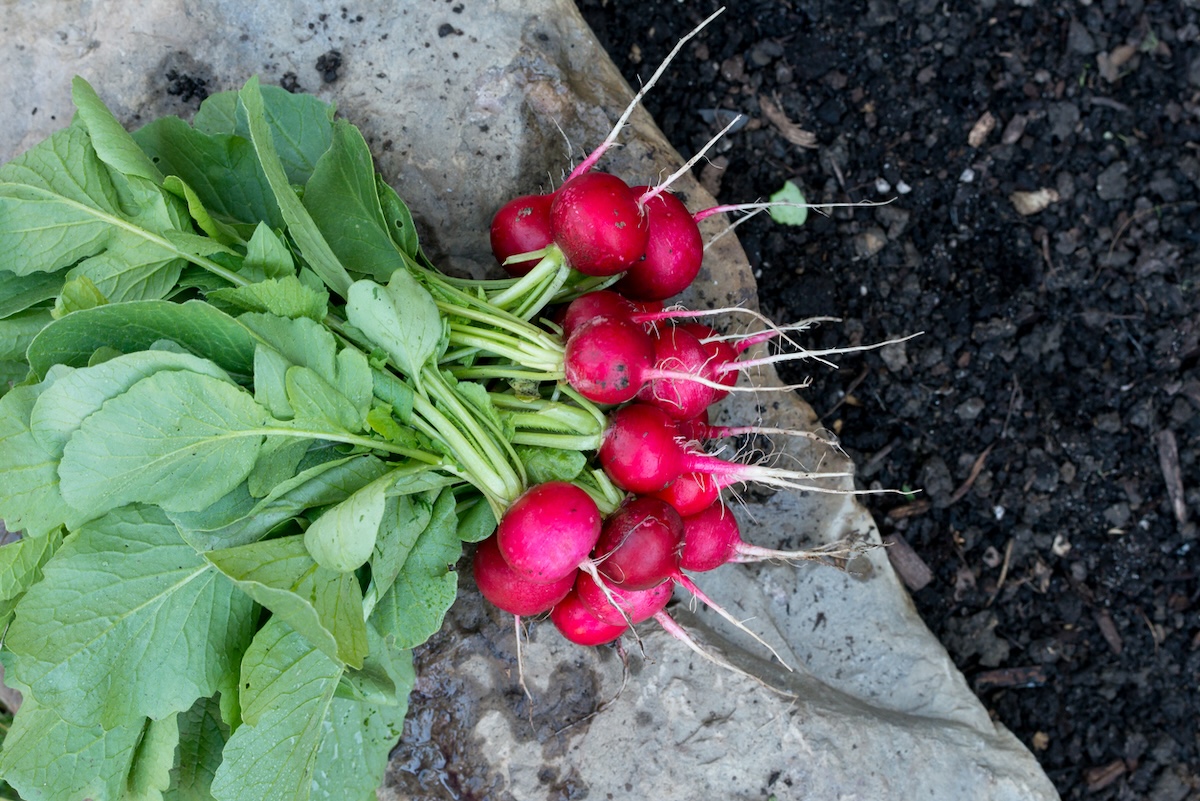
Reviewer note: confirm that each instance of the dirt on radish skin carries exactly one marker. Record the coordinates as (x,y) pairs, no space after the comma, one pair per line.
(522,225)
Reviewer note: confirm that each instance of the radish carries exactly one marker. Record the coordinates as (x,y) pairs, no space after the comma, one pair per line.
(607,303)
(713,538)
(596,221)
(607,359)
(640,543)
(677,351)
(548,531)
(522,225)
(579,625)
(507,590)
(642,452)
(631,606)
(690,493)
(674,251)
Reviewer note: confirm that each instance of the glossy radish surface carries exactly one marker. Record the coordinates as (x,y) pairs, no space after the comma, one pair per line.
(507,590)
(635,605)
(678,355)
(607,359)
(640,544)
(674,251)
(548,531)
(596,220)
(522,225)
(580,625)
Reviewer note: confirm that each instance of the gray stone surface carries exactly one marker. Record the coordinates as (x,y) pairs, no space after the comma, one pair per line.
(466,105)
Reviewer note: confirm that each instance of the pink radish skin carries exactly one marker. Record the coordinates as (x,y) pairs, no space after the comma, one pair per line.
(642,452)
(595,305)
(548,531)
(505,588)
(713,538)
(674,251)
(609,360)
(719,352)
(596,220)
(522,225)
(677,350)
(690,493)
(635,606)
(640,544)
(579,625)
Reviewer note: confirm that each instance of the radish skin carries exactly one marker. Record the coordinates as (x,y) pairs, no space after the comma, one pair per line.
(596,221)
(507,590)
(522,225)
(579,625)
(548,531)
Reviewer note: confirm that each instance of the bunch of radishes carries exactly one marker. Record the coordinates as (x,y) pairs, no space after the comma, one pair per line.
(657,372)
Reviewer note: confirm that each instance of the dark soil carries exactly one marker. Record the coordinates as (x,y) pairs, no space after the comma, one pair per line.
(1050,414)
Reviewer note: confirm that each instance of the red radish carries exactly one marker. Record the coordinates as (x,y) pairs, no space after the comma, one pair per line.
(690,493)
(674,251)
(598,304)
(634,605)
(522,225)
(548,531)
(639,549)
(719,352)
(579,625)
(642,452)
(640,543)
(676,352)
(607,359)
(505,588)
(713,538)
(596,220)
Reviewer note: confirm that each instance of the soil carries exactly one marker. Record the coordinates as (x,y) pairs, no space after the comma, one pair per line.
(1047,421)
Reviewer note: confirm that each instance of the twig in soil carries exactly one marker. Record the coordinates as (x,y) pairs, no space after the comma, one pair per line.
(976,469)
(1013,399)
(858,379)
(1168,462)
(1032,676)
(1008,549)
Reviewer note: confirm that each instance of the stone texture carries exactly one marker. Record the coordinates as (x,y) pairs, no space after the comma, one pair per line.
(466,105)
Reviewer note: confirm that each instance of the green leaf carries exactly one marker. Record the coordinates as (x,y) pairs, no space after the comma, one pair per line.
(63,406)
(21,565)
(476,522)
(222,232)
(45,757)
(285,297)
(794,214)
(238,519)
(20,292)
(300,124)
(415,605)
(343,199)
(268,256)
(319,405)
(323,605)
(343,537)
(128,621)
(401,319)
(128,327)
(300,225)
(404,519)
(222,170)
(17,331)
(77,294)
(30,499)
(551,464)
(150,774)
(57,204)
(202,737)
(277,462)
(113,144)
(399,221)
(177,439)
(301,740)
